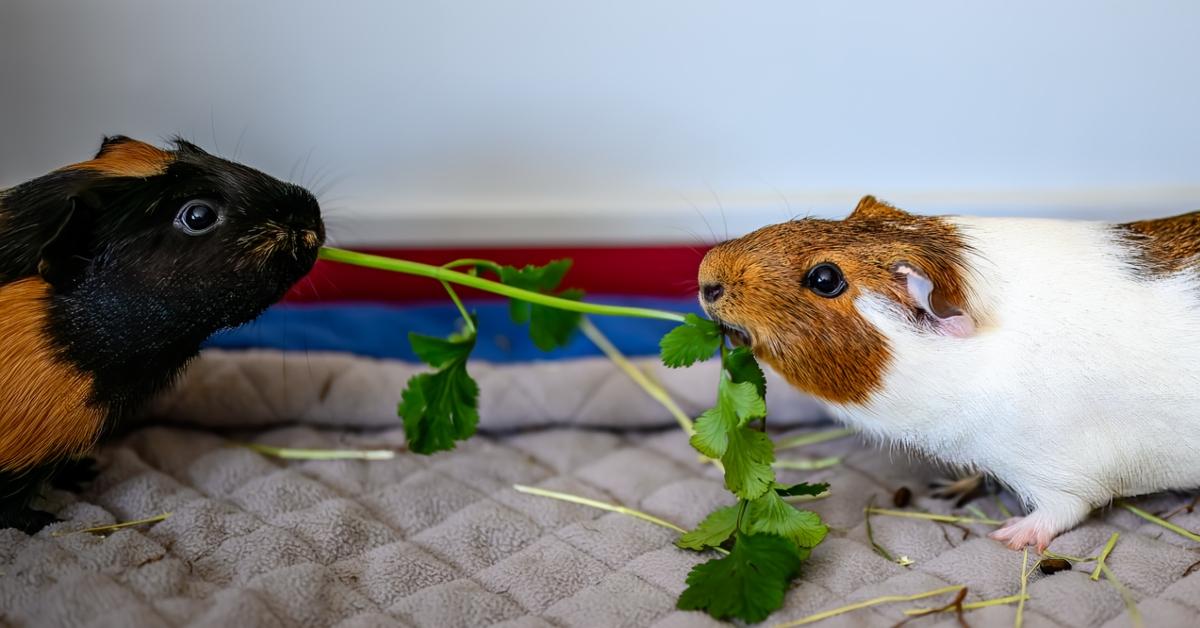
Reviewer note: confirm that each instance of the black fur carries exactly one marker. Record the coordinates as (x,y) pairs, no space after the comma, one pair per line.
(133,295)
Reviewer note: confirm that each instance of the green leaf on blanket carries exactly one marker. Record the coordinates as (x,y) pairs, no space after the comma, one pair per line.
(748,584)
(695,340)
(747,461)
(803,488)
(442,407)
(549,327)
(771,515)
(716,528)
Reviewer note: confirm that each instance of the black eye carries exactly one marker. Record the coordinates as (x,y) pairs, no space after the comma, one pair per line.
(197,218)
(826,280)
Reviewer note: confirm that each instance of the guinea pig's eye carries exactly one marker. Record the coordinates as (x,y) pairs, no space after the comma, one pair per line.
(197,218)
(826,280)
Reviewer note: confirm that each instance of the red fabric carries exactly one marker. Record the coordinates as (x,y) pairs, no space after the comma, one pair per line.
(661,271)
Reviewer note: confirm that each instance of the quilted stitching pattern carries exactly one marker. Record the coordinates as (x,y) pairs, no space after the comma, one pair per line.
(446,541)
(263,388)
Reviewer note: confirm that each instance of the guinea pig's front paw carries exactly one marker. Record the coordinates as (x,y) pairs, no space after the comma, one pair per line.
(74,474)
(1021,532)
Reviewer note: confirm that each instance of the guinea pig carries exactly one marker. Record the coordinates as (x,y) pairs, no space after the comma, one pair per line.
(113,271)
(1063,357)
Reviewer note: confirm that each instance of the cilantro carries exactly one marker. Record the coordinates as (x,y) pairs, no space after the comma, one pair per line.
(712,532)
(736,404)
(747,461)
(749,583)
(767,537)
(549,327)
(770,514)
(442,407)
(742,367)
(803,488)
(695,340)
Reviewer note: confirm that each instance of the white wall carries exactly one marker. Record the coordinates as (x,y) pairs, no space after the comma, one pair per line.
(551,120)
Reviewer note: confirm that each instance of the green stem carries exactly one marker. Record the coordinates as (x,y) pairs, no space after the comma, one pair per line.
(444,274)
(1108,548)
(929,516)
(813,438)
(291,453)
(470,261)
(461,308)
(1020,619)
(658,393)
(594,503)
(742,503)
(106,529)
(1187,534)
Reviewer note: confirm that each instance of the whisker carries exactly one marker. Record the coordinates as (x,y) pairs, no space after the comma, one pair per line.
(212,120)
(720,206)
(238,147)
(699,213)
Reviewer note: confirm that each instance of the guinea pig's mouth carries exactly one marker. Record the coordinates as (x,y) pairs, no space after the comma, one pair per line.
(738,336)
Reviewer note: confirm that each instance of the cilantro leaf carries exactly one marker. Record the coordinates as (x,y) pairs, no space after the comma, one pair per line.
(437,352)
(694,340)
(711,436)
(743,367)
(771,515)
(803,488)
(747,461)
(535,278)
(712,532)
(736,404)
(442,407)
(742,401)
(748,584)
(549,327)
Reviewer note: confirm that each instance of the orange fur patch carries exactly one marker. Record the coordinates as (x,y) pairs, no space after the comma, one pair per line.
(1166,245)
(45,409)
(128,158)
(824,346)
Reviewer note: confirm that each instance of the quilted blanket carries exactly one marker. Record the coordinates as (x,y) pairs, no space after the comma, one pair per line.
(446,540)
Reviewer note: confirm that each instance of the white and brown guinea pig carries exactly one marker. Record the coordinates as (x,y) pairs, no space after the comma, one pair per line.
(1063,357)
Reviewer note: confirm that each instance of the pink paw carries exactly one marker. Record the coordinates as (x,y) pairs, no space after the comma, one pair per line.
(1020,532)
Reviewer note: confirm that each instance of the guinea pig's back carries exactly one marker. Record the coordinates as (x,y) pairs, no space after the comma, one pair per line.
(1086,349)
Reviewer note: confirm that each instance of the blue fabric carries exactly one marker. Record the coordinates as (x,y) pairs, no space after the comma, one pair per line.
(381,331)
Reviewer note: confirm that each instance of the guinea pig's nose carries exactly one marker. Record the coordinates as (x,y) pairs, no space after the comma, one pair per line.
(711,292)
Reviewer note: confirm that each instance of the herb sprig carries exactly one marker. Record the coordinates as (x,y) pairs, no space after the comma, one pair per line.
(764,538)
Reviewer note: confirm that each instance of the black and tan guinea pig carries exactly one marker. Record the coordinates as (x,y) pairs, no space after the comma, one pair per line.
(113,271)
(1063,357)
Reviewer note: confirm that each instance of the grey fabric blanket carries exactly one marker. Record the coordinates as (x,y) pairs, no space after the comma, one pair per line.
(446,541)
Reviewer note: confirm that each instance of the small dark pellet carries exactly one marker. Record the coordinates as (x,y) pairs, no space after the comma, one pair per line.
(902,497)
(1050,566)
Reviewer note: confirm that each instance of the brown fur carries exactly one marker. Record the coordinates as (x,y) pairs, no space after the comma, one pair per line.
(824,346)
(45,409)
(127,158)
(1166,245)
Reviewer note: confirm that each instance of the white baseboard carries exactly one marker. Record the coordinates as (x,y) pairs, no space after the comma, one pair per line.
(441,223)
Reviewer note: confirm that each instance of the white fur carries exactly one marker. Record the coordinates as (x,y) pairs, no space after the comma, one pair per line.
(1082,383)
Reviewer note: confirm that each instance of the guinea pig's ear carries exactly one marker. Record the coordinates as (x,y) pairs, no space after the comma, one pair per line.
(870,207)
(120,156)
(111,143)
(949,319)
(64,257)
